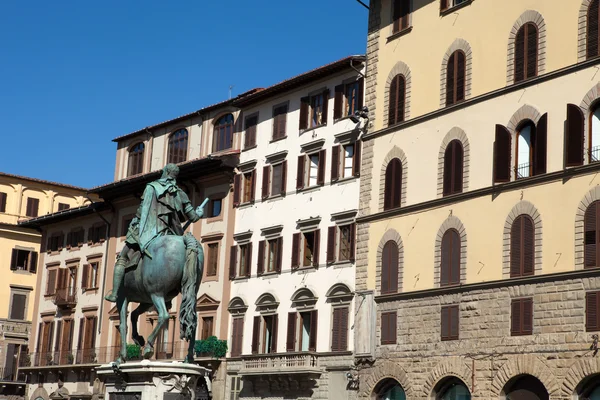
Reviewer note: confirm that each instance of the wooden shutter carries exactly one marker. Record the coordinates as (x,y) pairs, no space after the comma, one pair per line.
(388,327)
(460,76)
(393,102)
(527,312)
(396,16)
(389,268)
(232,262)
(312,339)
(70,240)
(592,309)
(502,151)
(331,239)
(238,334)
(342,324)
(40,333)
(265,181)
(58,336)
(455,257)
(540,146)
(593,32)
(321,168)
(443,5)
(357,158)
(2,202)
(17,310)
(283,177)
(253,185)
(516,251)
(384,328)
(590,224)
(454,322)
(13,259)
(335,330)
(84,276)
(393,185)
(515,318)
(279,253)
(296,250)
(531,49)
(274,329)
(316,247)
(445,323)
(291,332)
(338,102)
(335,163)
(300,172)
(304,110)
(445,264)
(361,89)
(520,55)
(51,284)
(574,136)
(255,334)
(50,335)
(261,257)
(325,107)
(450,81)
(352,242)
(453,168)
(33,260)
(236,189)
(528,246)
(249,260)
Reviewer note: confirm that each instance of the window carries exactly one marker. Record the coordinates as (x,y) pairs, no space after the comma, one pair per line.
(18,306)
(51,281)
(2,202)
(453,168)
(214,207)
(390,389)
(97,234)
(270,255)
(339,331)
(452,389)
(455,78)
(388,327)
(341,243)
(75,238)
(393,185)
(521,317)
(311,170)
(592,311)
(574,142)
(591,236)
(389,268)
(236,388)
(525,150)
(305,249)
(212,259)
(250,126)
(24,260)
(136,159)
(237,334)
(594,136)
(240,264)
(447,4)
(593,31)
(264,334)
(401,15)
(244,187)
(522,247)
(450,260)
(55,242)
(207,327)
(63,206)
(526,49)
(449,323)
(64,341)
(313,110)
(89,276)
(348,99)
(302,331)
(178,143)
(274,177)
(33,206)
(397,100)
(345,161)
(223,133)
(44,343)
(279,121)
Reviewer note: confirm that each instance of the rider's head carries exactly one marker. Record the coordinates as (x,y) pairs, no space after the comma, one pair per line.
(170,171)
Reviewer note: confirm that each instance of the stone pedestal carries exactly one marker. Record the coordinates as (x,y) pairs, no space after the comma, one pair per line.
(152,380)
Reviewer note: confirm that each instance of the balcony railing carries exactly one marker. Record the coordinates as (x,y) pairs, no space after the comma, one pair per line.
(595,154)
(65,297)
(523,170)
(280,363)
(15,328)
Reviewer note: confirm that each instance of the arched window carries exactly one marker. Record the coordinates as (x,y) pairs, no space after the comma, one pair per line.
(389,268)
(589,388)
(522,246)
(525,387)
(178,143)
(594,137)
(526,52)
(455,78)
(525,141)
(593,31)
(223,133)
(452,389)
(453,168)
(136,160)
(397,100)
(389,390)
(393,185)
(592,235)
(450,268)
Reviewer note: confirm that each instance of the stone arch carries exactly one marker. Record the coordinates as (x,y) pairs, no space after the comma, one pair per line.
(579,371)
(524,364)
(458,44)
(394,236)
(526,112)
(589,198)
(538,20)
(395,152)
(451,222)
(523,207)
(459,134)
(451,366)
(382,371)
(399,69)
(582,30)
(40,392)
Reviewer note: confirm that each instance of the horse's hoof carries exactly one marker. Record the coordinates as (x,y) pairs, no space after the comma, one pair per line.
(148,352)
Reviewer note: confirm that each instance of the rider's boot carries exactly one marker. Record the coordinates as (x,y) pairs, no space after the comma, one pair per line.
(117,278)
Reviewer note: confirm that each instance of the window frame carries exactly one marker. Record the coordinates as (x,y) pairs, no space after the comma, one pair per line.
(213,254)
(525,54)
(18,292)
(89,275)
(522,247)
(32,207)
(250,131)
(588,29)
(453,312)
(401,23)
(333,250)
(267,191)
(399,108)
(389,320)
(454,235)
(31,259)
(392,279)
(135,159)
(453,178)
(396,181)
(179,154)
(3,201)
(237,345)
(204,319)
(592,297)
(454,59)
(279,133)
(522,304)
(342,333)
(220,130)
(452,6)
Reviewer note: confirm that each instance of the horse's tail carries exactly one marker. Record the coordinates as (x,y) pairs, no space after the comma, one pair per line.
(189,288)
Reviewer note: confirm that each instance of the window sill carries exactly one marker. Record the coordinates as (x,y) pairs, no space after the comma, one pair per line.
(93,290)
(342,181)
(398,34)
(449,339)
(274,197)
(53,252)
(303,131)
(309,189)
(455,8)
(246,204)
(388,343)
(522,334)
(211,278)
(250,147)
(304,270)
(240,278)
(214,219)
(217,152)
(278,139)
(269,275)
(341,264)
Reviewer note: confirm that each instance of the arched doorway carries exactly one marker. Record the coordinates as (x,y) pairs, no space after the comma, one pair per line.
(451,388)
(525,387)
(589,388)
(389,389)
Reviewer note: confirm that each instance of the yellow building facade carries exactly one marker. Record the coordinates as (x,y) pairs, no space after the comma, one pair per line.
(477,233)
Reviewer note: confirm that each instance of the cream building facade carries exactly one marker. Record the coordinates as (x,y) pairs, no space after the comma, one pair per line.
(477,233)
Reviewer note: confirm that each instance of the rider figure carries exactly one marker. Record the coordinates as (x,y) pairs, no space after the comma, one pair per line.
(163,207)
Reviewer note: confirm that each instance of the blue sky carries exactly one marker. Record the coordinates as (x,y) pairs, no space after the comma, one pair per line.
(76,74)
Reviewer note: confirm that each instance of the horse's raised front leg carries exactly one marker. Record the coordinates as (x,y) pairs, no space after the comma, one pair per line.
(122,304)
(135,314)
(163,317)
